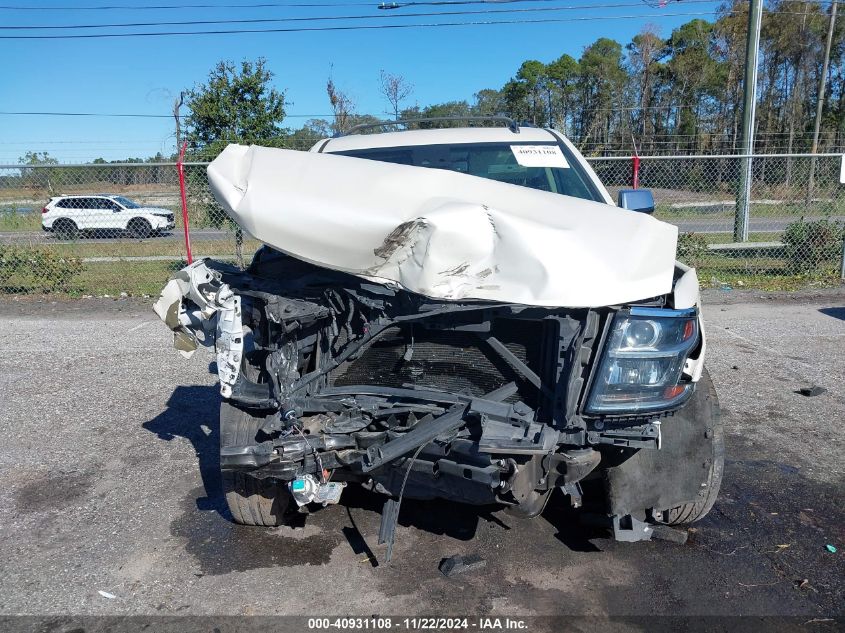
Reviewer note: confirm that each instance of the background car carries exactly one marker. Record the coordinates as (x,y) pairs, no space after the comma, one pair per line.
(69,216)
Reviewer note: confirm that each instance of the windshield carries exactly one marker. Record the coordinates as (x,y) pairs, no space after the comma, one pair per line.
(126,202)
(543,166)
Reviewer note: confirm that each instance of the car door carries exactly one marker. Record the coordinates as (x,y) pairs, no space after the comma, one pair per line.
(117,215)
(68,208)
(85,212)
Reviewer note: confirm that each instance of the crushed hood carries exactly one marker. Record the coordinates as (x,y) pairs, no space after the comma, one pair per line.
(443,234)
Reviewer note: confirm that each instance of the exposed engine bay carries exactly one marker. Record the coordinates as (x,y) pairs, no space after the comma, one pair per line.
(476,401)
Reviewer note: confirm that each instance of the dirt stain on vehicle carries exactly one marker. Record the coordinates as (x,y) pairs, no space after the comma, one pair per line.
(53,491)
(220,546)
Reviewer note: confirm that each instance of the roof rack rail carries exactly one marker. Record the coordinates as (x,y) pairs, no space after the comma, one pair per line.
(512,125)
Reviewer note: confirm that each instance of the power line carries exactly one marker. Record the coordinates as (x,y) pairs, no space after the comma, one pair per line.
(367,27)
(101,114)
(121,7)
(389,16)
(167,139)
(269,5)
(134,115)
(400,5)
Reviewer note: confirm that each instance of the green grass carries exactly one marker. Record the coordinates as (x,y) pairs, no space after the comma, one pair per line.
(761,273)
(727,238)
(11,220)
(788,210)
(151,248)
(709,276)
(133,278)
(113,278)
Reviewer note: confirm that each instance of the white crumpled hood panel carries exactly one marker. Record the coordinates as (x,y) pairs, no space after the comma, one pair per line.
(443,234)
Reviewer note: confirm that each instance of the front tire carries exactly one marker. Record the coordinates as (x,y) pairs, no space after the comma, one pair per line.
(139,228)
(251,501)
(708,418)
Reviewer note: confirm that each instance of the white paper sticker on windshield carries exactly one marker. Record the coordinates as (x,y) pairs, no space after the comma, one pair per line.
(539,156)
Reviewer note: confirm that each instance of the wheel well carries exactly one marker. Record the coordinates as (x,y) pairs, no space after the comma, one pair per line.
(671,477)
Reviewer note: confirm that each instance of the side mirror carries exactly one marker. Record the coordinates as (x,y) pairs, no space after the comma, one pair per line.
(640,200)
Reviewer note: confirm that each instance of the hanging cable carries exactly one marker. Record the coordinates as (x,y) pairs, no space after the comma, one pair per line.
(617,5)
(368,27)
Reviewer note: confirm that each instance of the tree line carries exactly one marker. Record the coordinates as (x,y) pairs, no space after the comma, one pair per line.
(679,93)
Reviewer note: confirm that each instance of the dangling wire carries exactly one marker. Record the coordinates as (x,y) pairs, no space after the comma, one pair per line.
(319,461)
(395,518)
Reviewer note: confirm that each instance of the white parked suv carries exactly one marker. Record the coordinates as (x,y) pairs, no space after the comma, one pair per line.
(69,216)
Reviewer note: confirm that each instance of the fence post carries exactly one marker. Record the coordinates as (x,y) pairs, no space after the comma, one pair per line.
(635,171)
(743,200)
(749,104)
(842,261)
(180,167)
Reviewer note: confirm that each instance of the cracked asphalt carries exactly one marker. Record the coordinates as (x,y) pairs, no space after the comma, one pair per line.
(109,483)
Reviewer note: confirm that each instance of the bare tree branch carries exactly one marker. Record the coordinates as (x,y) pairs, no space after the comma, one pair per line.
(395,89)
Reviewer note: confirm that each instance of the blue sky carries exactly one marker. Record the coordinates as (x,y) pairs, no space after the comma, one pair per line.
(142,75)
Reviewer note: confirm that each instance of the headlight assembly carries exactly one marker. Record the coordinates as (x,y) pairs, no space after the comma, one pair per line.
(644,355)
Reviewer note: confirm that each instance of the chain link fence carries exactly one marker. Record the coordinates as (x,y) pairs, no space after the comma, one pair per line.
(107,229)
(790,233)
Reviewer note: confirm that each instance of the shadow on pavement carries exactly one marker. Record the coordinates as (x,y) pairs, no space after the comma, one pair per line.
(193,412)
(836,313)
(435,516)
(576,535)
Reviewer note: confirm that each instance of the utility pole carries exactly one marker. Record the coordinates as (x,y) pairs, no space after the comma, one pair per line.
(749,106)
(820,101)
(177,104)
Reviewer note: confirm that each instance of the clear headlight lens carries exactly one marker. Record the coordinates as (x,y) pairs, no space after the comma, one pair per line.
(644,355)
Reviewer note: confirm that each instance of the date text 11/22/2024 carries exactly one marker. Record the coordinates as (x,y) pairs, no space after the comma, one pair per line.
(375,623)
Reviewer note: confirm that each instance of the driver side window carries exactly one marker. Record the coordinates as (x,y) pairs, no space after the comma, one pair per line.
(103,204)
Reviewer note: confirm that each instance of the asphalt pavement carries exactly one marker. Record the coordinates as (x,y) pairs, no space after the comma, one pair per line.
(110,500)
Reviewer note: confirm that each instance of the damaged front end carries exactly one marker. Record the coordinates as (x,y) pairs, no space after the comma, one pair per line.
(480,402)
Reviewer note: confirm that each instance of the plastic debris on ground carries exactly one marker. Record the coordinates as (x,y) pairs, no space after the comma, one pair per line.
(668,533)
(814,390)
(457,564)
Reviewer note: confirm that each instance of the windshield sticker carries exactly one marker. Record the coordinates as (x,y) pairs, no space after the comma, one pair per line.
(539,156)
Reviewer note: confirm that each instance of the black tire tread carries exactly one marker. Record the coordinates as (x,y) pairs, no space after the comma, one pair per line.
(70,232)
(688,513)
(251,501)
(139,228)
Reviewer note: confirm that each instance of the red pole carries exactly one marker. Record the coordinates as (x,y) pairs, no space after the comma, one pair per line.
(635,171)
(180,167)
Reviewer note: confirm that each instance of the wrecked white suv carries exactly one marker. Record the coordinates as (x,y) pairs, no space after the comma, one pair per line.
(457,313)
